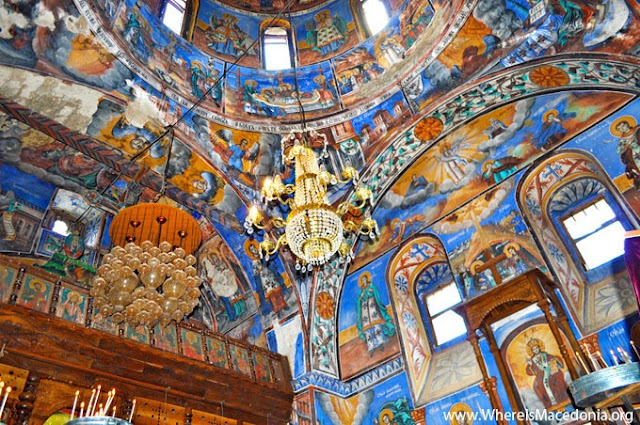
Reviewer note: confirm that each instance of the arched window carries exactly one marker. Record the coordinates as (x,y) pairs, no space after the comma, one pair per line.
(591,224)
(376,15)
(277,46)
(60,227)
(561,199)
(438,294)
(173,14)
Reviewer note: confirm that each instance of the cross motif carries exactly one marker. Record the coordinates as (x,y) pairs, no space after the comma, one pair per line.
(420,249)
(552,170)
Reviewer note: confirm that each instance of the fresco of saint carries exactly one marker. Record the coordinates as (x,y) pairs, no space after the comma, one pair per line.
(552,130)
(548,384)
(374,324)
(8,205)
(628,147)
(327,34)
(270,284)
(224,285)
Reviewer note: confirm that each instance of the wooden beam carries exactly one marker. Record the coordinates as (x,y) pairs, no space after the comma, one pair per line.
(60,350)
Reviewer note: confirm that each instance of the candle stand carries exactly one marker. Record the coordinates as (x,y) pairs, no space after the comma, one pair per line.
(98,420)
(609,387)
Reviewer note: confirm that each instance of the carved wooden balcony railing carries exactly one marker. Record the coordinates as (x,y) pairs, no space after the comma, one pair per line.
(49,327)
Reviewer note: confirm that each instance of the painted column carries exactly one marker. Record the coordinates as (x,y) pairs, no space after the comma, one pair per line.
(492,389)
(488,383)
(493,346)
(564,321)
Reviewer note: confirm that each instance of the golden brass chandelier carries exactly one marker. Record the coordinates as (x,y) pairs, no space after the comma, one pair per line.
(314,230)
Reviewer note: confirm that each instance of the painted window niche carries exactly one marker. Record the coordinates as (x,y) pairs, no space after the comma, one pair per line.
(406,265)
(173,14)
(437,293)
(276,48)
(592,226)
(551,193)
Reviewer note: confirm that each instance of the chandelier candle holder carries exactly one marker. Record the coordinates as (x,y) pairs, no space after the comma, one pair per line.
(154,282)
(314,229)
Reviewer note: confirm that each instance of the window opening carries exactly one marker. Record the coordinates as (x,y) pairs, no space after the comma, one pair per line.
(60,227)
(375,15)
(173,15)
(597,234)
(447,324)
(277,54)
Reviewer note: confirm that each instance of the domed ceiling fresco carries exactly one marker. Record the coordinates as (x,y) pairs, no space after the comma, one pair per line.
(459,116)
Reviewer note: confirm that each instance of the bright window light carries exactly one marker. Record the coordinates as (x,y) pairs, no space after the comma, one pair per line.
(589,219)
(173,15)
(277,55)
(443,299)
(375,13)
(447,326)
(60,227)
(602,246)
(597,234)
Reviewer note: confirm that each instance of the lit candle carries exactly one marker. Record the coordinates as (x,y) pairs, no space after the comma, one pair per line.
(81,409)
(599,354)
(95,403)
(100,410)
(635,349)
(4,401)
(112,394)
(594,363)
(584,366)
(75,401)
(113,415)
(93,394)
(625,355)
(613,357)
(106,403)
(132,409)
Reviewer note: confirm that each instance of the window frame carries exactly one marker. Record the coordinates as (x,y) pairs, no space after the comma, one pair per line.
(357,9)
(430,317)
(574,242)
(177,4)
(366,22)
(54,215)
(263,43)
